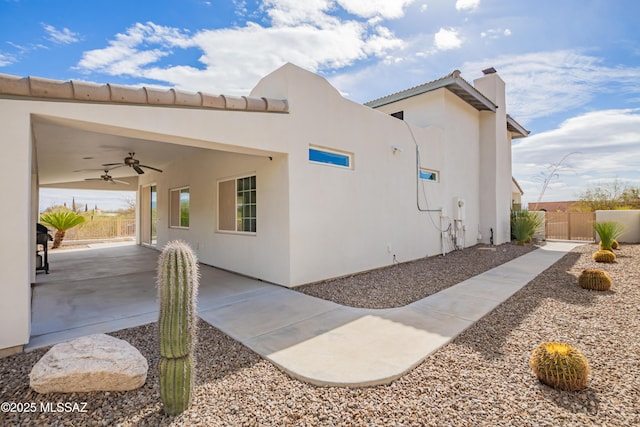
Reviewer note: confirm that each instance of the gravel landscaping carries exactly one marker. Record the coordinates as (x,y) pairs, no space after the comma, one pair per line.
(481,378)
(404,283)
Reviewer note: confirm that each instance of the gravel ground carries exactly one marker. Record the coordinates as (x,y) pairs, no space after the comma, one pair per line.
(482,378)
(402,284)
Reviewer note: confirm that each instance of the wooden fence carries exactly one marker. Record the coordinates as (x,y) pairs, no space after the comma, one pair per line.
(103,228)
(570,226)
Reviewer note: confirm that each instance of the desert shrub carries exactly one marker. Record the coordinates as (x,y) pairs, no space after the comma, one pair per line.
(524,225)
(608,231)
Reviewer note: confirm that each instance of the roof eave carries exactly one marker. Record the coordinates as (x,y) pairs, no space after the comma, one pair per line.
(516,129)
(453,82)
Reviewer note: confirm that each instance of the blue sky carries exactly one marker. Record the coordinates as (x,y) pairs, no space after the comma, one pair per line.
(572,67)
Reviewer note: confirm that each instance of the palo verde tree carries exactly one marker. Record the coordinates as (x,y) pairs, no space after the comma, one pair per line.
(609,196)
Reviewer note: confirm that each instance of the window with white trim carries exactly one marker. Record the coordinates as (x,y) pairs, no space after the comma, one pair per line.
(327,156)
(179,207)
(428,175)
(237,205)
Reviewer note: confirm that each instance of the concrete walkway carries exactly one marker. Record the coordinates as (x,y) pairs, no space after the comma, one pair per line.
(314,340)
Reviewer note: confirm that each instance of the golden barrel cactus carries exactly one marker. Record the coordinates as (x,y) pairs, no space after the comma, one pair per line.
(596,280)
(615,244)
(560,366)
(604,256)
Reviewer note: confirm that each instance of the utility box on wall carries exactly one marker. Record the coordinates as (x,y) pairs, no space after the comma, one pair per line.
(458,209)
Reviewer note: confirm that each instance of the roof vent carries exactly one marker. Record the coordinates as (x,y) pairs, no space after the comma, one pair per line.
(489,70)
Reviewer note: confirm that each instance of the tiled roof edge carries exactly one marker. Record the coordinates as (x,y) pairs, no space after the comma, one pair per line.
(39,87)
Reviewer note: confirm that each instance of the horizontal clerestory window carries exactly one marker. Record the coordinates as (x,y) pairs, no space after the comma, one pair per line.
(428,175)
(330,157)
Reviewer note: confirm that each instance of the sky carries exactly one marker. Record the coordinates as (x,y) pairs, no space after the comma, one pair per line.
(572,67)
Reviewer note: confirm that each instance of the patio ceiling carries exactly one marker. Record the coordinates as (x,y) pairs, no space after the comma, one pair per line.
(63,148)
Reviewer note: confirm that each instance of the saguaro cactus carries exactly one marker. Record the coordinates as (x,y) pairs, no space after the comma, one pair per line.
(178,281)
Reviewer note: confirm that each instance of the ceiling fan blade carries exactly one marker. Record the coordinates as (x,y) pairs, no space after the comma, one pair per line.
(137,169)
(113,165)
(90,170)
(151,167)
(93,179)
(117,181)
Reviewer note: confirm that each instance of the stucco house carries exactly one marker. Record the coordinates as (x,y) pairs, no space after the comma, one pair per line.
(291,184)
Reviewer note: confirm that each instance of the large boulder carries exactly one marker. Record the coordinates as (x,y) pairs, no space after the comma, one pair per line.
(92,363)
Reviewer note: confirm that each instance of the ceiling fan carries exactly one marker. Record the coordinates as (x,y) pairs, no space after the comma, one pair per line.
(132,163)
(107,178)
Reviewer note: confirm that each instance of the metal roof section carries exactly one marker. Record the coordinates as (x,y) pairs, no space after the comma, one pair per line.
(453,82)
(37,87)
(516,129)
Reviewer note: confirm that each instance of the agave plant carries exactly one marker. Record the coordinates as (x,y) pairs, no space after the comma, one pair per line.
(608,231)
(61,221)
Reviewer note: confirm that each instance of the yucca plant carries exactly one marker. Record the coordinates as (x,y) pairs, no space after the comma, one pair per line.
(608,231)
(61,221)
(560,366)
(596,280)
(178,281)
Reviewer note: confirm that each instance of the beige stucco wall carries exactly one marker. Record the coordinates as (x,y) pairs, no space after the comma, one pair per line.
(263,255)
(17,253)
(630,219)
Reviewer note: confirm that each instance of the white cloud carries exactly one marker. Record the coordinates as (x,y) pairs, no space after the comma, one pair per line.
(467,4)
(494,33)
(542,84)
(388,9)
(604,144)
(64,36)
(446,39)
(423,8)
(234,59)
(6,60)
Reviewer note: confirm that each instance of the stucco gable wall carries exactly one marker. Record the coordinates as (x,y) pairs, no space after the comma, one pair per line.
(349,220)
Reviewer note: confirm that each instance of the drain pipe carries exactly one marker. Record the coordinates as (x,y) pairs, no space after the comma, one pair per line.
(420,209)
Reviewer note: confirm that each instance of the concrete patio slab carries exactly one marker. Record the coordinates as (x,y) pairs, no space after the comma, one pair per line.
(314,340)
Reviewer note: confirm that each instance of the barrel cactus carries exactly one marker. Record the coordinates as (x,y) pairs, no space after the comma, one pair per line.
(177,281)
(615,244)
(604,256)
(560,366)
(596,280)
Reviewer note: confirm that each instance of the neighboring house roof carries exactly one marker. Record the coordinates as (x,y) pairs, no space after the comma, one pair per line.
(517,185)
(37,87)
(553,206)
(453,82)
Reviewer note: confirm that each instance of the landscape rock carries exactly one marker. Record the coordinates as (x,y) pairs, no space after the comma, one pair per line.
(93,363)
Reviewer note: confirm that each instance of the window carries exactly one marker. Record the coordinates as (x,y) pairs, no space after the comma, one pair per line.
(330,157)
(237,205)
(179,207)
(428,175)
(398,115)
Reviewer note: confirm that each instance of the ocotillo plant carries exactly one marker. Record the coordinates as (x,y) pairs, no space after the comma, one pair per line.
(177,281)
